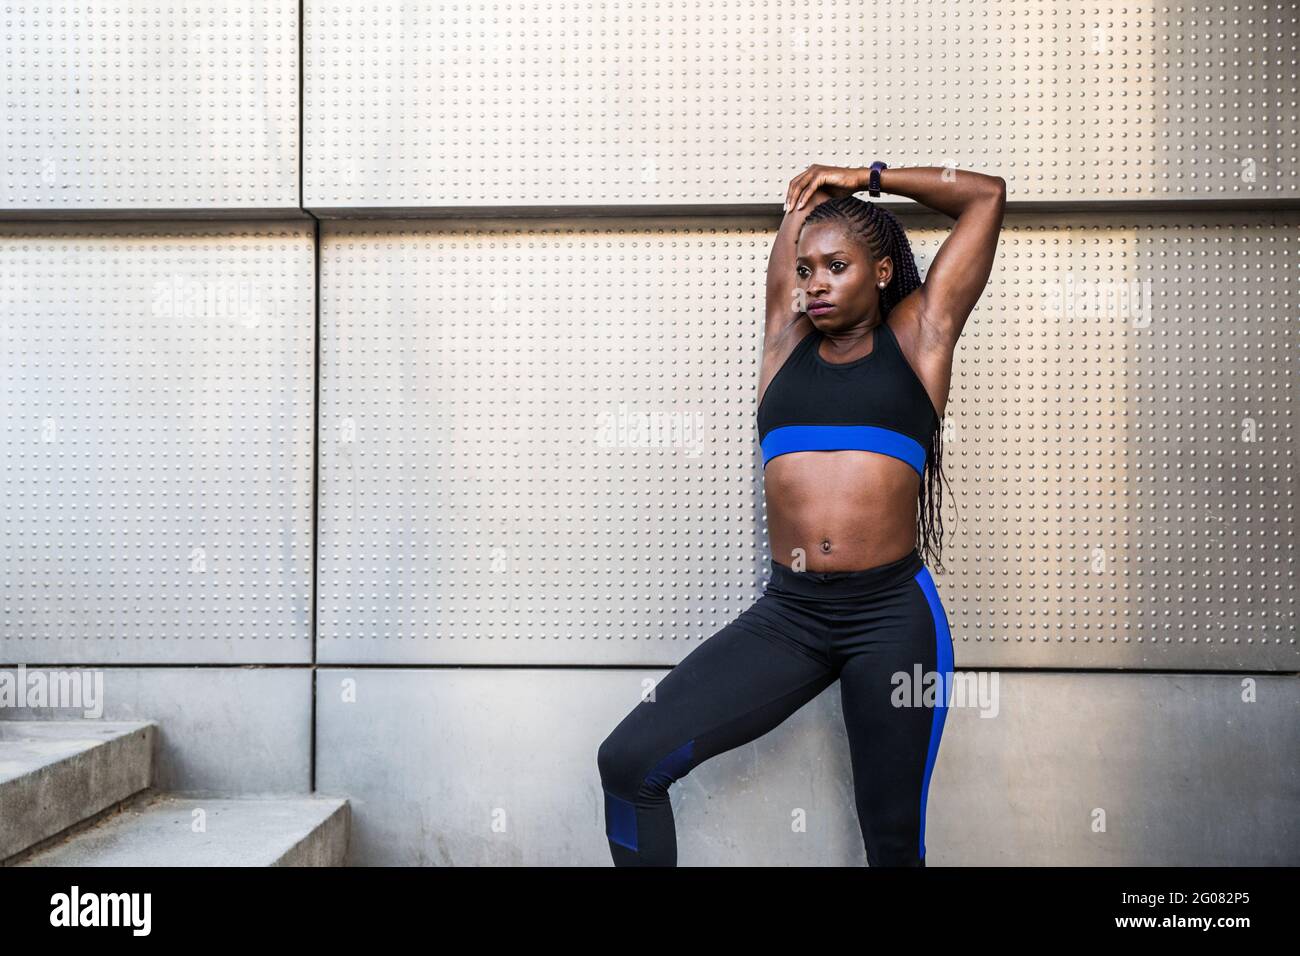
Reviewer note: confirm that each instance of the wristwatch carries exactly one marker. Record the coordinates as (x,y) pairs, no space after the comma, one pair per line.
(873,185)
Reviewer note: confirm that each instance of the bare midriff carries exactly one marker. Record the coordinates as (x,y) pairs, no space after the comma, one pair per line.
(844,510)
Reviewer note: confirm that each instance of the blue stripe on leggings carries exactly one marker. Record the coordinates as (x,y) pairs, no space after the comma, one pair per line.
(943,659)
(620,816)
(671,767)
(620,821)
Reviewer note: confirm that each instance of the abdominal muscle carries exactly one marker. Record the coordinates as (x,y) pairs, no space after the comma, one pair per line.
(844,510)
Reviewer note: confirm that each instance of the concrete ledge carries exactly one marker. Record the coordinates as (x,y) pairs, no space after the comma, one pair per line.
(327,845)
(54,774)
(169,830)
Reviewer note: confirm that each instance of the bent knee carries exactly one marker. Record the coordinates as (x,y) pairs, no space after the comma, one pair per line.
(634,769)
(621,762)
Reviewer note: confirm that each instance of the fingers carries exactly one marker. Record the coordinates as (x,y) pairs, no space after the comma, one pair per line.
(803,186)
(790,192)
(795,189)
(809,188)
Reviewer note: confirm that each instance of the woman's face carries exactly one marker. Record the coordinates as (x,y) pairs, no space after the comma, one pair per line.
(834,268)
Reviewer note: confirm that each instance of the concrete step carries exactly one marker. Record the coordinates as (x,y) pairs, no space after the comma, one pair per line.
(54,773)
(162,829)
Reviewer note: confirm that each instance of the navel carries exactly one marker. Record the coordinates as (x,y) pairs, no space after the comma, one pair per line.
(826,546)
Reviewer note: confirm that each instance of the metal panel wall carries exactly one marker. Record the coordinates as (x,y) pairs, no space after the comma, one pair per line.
(487,490)
(1120,446)
(407,104)
(130,106)
(537,442)
(156,411)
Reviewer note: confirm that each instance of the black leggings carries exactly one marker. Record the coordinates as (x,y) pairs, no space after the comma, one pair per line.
(883,632)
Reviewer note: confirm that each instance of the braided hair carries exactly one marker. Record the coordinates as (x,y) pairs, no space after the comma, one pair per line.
(883,235)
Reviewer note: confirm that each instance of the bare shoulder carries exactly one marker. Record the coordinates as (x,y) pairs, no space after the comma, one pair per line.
(927,350)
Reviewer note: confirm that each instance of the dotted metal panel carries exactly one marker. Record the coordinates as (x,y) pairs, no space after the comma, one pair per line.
(487,492)
(1124,434)
(473,103)
(156,403)
(150,105)
(535,443)
(1213,415)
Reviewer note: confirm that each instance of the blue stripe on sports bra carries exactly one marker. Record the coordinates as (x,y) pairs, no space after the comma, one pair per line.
(885,441)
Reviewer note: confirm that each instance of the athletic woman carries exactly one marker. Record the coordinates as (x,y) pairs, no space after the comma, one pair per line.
(857,362)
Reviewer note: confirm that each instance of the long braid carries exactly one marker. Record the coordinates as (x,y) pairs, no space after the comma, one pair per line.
(884,235)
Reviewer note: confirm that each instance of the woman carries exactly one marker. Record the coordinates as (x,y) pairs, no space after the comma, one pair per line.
(857,361)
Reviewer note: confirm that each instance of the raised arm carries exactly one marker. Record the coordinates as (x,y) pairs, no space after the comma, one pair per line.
(960,269)
(781,278)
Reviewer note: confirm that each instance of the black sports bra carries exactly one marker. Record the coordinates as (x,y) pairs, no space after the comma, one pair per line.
(876,403)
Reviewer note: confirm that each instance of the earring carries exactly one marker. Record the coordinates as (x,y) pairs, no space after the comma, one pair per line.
(881,284)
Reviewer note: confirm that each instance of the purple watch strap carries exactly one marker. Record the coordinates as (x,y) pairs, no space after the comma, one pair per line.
(873,185)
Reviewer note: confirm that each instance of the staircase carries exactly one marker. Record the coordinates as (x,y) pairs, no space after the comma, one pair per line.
(78,793)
